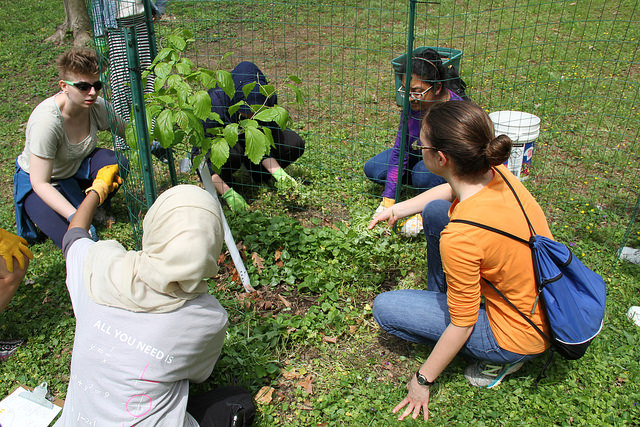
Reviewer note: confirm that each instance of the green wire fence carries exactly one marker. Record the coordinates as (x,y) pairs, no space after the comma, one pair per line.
(574,64)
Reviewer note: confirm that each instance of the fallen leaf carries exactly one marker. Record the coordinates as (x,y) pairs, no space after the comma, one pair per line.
(284,301)
(110,222)
(277,255)
(235,276)
(258,262)
(265,395)
(306,384)
(290,375)
(221,258)
(353,328)
(333,340)
(280,264)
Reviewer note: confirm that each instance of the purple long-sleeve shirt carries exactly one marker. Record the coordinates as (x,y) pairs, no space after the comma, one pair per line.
(414,133)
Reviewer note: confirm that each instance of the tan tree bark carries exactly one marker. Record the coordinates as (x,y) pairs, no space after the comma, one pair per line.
(76,22)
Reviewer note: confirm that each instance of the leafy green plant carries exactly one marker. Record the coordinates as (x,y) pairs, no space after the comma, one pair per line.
(180,103)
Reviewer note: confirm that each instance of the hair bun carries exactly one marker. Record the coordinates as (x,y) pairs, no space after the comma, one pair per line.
(498,150)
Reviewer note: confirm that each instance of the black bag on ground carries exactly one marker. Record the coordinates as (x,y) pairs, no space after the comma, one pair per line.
(573,296)
(228,406)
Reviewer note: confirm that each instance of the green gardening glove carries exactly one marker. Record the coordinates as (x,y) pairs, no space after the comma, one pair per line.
(235,201)
(283,179)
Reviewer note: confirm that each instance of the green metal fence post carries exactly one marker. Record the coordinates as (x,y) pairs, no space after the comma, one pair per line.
(142,132)
(154,51)
(406,103)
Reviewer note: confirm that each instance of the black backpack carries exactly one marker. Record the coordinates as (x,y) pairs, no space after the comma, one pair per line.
(455,83)
(228,406)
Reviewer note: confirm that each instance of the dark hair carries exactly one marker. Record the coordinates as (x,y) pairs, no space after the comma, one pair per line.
(464,132)
(428,66)
(77,61)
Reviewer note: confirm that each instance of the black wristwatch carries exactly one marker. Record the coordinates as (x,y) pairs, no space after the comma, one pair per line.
(422,380)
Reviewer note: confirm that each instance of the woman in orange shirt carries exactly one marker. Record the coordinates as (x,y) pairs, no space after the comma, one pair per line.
(458,143)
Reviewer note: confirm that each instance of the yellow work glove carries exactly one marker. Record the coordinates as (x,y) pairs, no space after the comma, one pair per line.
(109,174)
(12,246)
(100,187)
(385,203)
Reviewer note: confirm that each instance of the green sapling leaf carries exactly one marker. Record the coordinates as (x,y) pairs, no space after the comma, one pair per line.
(201,104)
(230,133)
(235,107)
(225,81)
(184,66)
(267,90)
(163,69)
(246,89)
(207,78)
(219,152)
(181,119)
(177,41)
(297,92)
(255,144)
(163,130)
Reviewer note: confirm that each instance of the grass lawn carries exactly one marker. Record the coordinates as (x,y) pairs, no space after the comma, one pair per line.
(307,337)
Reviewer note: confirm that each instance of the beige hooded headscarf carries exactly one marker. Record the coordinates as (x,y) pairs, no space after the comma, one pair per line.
(181,240)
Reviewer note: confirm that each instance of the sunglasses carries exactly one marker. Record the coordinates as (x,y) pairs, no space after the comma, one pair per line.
(84,86)
(416,146)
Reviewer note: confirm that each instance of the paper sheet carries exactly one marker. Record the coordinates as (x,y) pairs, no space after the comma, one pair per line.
(16,411)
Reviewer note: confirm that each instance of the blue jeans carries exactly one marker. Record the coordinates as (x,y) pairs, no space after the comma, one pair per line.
(422,316)
(418,175)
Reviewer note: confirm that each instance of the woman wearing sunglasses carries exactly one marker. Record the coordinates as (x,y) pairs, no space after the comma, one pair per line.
(459,312)
(426,87)
(60,159)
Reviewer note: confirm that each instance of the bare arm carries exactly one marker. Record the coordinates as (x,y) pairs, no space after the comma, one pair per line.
(40,176)
(442,354)
(85,212)
(414,205)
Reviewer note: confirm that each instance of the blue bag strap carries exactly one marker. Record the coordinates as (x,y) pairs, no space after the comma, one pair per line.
(495,230)
(531,230)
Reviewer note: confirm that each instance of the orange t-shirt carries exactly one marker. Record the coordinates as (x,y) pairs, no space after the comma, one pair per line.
(469,253)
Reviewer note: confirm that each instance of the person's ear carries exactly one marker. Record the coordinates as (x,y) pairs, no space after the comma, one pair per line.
(63,85)
(438,89)
(442,158)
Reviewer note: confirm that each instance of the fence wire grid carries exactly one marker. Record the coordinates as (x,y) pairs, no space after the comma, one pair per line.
(574,64)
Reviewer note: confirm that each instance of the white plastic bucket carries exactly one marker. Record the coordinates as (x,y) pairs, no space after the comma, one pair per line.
(523,129)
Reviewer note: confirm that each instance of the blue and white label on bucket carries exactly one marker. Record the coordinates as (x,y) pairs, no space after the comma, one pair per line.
(519,163)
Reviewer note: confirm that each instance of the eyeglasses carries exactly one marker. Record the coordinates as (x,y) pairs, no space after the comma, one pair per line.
(84,86)
(416,146)
(414,95)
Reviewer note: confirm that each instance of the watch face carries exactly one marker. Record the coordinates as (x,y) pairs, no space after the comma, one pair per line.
(422,380)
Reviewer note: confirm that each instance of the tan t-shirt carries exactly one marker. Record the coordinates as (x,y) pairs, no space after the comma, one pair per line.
(46,138)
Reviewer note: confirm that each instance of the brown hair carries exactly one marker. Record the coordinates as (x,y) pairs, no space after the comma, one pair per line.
(464,132)
(77,61)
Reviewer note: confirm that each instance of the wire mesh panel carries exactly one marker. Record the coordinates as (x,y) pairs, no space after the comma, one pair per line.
(572,64)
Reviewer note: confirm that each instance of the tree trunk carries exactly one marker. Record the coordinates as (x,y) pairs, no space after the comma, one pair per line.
(76,21)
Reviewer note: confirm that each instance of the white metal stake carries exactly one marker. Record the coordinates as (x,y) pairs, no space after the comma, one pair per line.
(228,237)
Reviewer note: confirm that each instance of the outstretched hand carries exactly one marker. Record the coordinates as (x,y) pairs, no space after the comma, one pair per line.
(417,400)
(386,215)
(12,246)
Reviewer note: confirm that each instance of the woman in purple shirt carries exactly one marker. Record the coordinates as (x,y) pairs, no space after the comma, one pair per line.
(427,86)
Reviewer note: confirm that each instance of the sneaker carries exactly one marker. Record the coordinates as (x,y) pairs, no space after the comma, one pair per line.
(481,374)
(8,347)
(412,226)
